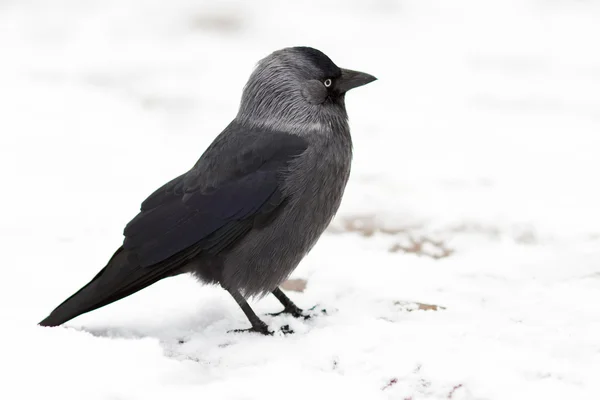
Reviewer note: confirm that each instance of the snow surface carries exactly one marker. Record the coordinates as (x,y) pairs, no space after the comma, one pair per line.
(474,188)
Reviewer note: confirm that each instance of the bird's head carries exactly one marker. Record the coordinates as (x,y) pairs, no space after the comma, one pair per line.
(297,86)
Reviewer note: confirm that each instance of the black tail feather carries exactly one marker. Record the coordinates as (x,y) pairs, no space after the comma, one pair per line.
(119,279)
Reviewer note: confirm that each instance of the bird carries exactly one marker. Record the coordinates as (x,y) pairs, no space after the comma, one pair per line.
(256,201)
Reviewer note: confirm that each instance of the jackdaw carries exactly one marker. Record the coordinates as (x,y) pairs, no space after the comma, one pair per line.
(255,202)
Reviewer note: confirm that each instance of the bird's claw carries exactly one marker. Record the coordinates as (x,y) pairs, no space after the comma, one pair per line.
(299,313)
(285,329)
(294,312)
(262,329)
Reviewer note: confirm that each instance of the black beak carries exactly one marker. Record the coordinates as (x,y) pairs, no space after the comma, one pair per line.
(352,79)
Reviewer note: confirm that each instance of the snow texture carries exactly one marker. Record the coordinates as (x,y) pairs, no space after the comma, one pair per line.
(474,189)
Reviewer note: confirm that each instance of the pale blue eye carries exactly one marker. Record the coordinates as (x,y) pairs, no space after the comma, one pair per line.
(327,82)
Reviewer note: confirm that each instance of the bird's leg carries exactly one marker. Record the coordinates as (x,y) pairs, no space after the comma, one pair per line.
(257,324)
(288,305)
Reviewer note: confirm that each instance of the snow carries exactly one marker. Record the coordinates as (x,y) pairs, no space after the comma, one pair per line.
(474,188)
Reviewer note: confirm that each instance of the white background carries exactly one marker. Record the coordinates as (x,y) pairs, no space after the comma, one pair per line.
(480,139)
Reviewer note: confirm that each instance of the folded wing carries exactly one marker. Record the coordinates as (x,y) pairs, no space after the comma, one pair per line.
(209,214)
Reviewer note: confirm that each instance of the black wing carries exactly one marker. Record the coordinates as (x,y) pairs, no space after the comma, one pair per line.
(208,208)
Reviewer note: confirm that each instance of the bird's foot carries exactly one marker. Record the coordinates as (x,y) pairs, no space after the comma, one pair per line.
(263,329)
(285,329)
(295,312)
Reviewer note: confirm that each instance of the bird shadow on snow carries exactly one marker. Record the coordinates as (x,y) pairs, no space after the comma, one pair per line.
(179,336)
(170,337)
(166,329)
